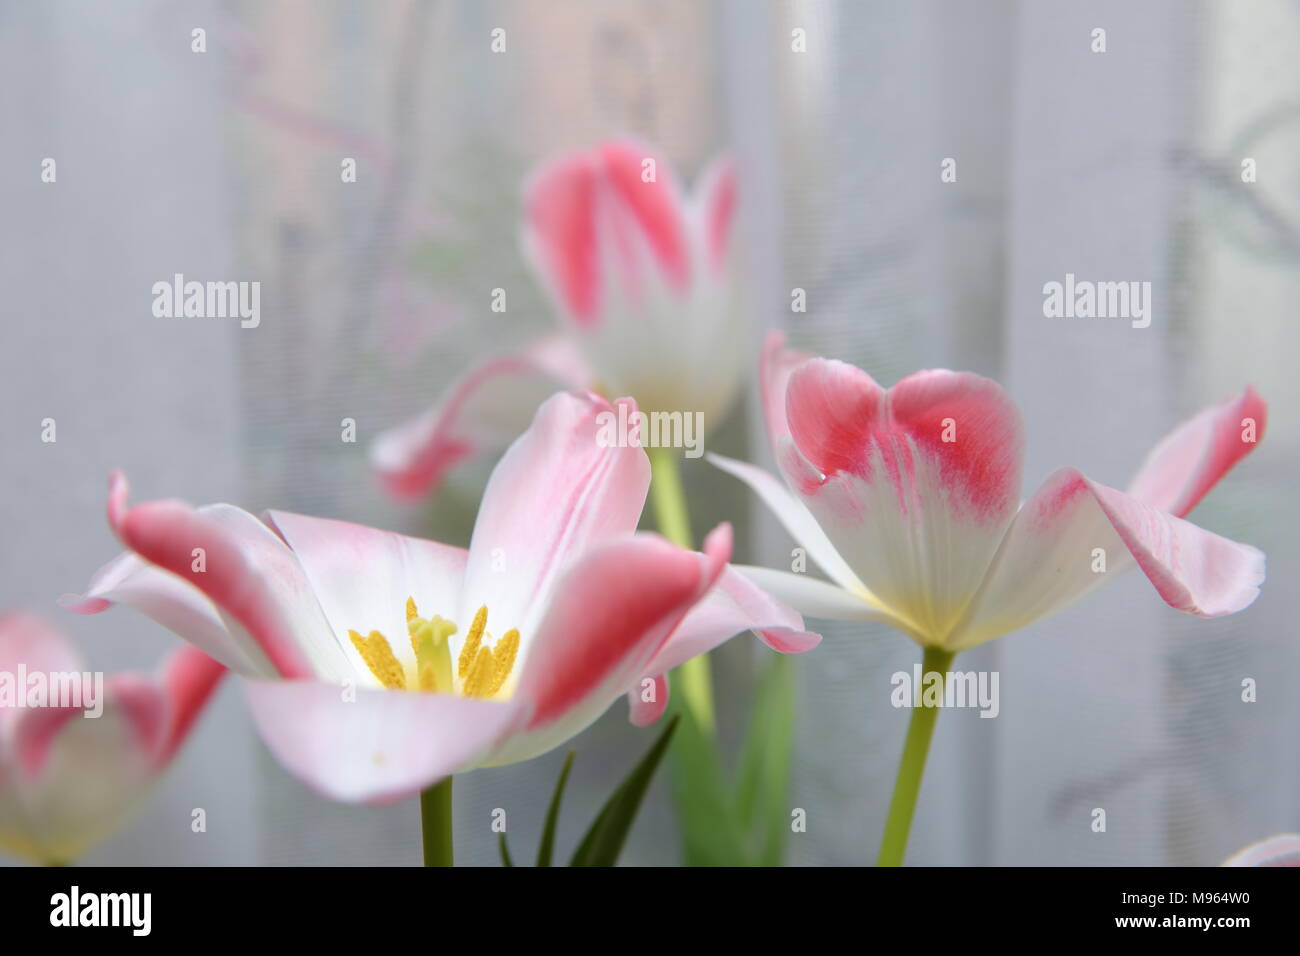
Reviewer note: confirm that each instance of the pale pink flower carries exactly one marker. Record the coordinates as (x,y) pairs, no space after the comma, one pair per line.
(68,779)
(379,664)
(641,278)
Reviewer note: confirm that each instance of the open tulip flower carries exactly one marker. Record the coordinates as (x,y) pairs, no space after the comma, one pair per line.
(908,498)
(379,664)
(642,281)
(72,771)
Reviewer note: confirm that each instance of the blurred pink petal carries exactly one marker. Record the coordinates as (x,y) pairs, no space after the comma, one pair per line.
(73,770)
(647,701)
(1181,470)
(1282,850)
(641,279)
(482,412)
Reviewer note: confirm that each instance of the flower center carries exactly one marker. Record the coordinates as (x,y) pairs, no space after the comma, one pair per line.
(481,671)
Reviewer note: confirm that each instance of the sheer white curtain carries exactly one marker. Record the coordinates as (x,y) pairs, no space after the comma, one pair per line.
(112,94)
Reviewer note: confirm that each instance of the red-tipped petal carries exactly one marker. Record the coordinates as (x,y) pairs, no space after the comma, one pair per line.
(1182,469)
(914,486)
(556,493)
(480,413)
(1073,534)
(609,617)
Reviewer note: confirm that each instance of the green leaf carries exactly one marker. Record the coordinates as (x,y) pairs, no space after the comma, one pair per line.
(553,815)
(604,841)
(702,796)
(505,850)
(763,776)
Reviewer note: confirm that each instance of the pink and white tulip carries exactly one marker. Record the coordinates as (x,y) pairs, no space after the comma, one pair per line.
(379,664)
(908,499)
(69,779)
(641,277)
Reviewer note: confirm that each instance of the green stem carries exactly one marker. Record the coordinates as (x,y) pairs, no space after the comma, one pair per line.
(693,678)
(907,786)
(435,824)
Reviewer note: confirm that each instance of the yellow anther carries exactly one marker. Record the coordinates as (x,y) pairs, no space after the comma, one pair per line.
(504,659)
(483,670)
(478,682)
(378,655)
(469,653)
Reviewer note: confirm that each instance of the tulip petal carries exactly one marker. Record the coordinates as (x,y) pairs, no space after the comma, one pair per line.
(249,574)
(1050,554)
(557,492)
(795,517)
(482,412)
(647,701)
(80,778)
(813,597)
(74,764)
(30,641)
(588,212)
(733,605)
(1281,850)
(775,368)
(366,745)
(175,604)
(914,486)
(189,679)
(1181,470)
(715,202)
(137,701)
(609,617)
(559,233)
(363,576)
(654,202)
(642,278)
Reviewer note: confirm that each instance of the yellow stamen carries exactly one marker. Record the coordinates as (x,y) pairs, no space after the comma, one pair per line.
(469,653)
(504,655)
(478,683)
(483,670)
(378,655)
